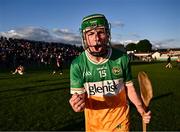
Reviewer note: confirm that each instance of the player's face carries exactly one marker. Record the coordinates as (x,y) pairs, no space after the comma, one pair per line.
(96,39)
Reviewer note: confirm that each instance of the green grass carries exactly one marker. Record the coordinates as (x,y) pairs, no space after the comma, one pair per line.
(39,101)
(164,105)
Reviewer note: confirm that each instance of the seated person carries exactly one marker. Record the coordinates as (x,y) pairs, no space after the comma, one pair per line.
(19,69)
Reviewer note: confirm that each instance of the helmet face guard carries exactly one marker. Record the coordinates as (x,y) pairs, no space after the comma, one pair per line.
(91,22)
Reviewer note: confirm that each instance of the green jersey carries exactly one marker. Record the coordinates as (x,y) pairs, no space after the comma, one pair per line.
(86,73)
(106,104)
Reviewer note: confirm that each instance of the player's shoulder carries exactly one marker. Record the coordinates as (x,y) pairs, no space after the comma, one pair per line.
(79,59)
(118,53)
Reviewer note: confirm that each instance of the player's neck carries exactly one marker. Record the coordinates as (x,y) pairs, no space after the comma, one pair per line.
(96,59)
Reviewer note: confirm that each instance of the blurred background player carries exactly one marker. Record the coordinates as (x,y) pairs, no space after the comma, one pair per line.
(57,64)
(59,61)
(19,70)
(169,65)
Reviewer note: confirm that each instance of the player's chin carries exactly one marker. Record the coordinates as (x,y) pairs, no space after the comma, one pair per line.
(97,49)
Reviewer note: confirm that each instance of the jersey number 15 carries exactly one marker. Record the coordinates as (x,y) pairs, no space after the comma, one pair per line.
(102,73)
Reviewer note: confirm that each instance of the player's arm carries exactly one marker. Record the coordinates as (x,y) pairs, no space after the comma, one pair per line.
(134,98)
(131,93)
(77,102)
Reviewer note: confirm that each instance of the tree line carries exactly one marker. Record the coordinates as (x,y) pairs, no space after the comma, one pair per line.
(141,46)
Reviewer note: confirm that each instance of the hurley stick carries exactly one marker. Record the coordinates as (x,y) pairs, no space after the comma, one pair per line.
(146,91)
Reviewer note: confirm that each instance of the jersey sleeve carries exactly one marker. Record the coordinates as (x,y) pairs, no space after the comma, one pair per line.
(127,71)
(76,79)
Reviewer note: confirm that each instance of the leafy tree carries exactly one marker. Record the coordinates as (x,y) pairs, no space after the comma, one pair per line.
(131,47)
(144,46)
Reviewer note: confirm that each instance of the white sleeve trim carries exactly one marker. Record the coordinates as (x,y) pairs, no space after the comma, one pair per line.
(129,83)
(77,90)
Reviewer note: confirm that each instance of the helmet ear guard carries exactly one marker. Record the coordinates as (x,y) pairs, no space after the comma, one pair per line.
(84,43)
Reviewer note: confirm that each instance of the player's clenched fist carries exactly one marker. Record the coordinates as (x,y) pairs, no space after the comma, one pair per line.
(146,117)
(77,102)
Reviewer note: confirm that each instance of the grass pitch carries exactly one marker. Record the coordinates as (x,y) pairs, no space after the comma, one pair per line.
(39,101)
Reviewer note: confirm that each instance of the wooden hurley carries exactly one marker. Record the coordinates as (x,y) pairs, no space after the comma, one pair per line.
(146,91)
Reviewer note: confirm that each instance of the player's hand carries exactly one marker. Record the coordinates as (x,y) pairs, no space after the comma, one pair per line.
(77,102)
(146,117)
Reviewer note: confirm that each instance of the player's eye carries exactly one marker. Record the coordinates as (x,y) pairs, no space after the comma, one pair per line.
(90,33)
(100,32)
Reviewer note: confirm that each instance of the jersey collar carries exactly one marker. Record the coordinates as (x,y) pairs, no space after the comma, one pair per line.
(102,62)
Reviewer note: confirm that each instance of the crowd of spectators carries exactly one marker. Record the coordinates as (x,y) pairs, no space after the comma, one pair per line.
(14,52)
